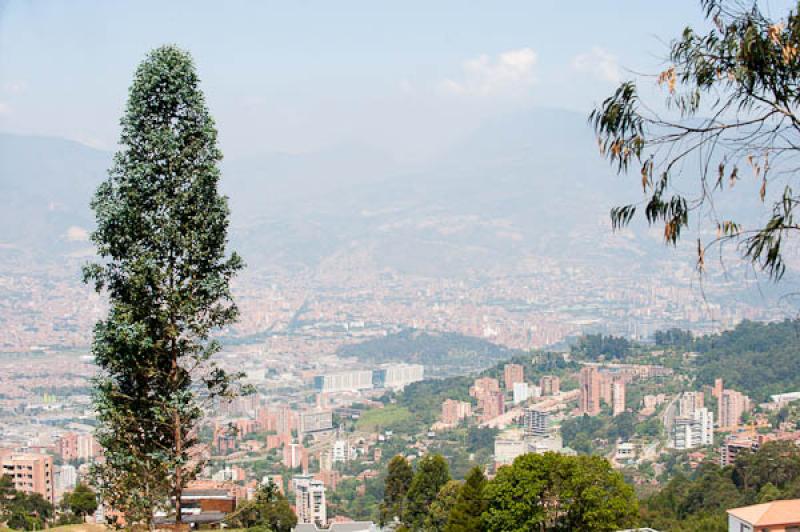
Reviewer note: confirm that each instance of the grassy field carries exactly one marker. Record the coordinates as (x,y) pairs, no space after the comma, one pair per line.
(383,418)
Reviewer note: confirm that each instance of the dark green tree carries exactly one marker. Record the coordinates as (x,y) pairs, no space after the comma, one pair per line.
(161,234)
(732,98)
(82,501)
(466,514)
(28,511)
(431,474)
(436,520)
(559,493)
(269,510)
(7,493)
(398,480)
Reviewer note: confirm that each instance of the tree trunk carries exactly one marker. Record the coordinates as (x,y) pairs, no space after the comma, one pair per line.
(178,438)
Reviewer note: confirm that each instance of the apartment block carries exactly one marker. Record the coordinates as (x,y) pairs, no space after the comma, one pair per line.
(31,473)
(512,374)
(589,391)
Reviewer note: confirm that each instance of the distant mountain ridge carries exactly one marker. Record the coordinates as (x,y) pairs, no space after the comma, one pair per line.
(522,186)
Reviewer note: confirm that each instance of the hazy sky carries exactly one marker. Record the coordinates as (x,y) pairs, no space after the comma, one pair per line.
(408,77)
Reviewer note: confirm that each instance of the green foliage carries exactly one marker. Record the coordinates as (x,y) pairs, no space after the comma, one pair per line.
(391,417)
(759,359)
(581,433)
(82,501)
(439,511)
(347,500)
(560,493)
(23,511)
(598,346)
(479,438)
(161,234)
(769,474)
(448,352)
(398,480)
(466,514)
(268,511)
(431,474)
(677,338)
(424,398)
(732,90)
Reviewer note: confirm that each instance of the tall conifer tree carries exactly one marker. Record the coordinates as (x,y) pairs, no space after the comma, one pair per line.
(161,236)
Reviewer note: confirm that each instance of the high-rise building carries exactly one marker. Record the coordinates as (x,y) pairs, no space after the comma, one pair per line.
(512,374)
(397,376)
(492,405)
(606,383)
(31,473)
(88,448)
(734,445)
(484,385)
(618,397)
(67,477)
(590,391)
(732,405)
(309,495)
(718,387)
(690,402)
(340,451)
(285,421)
(294,456)
(694,430)
(550,385)
(454,411)
(536,422)
(67,446)
(347,381)
(224,439)
(521,392)
(267,419)
(315,421)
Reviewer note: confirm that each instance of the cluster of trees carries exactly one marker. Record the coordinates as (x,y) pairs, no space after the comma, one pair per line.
(537,492)
(31,511)
(23,511)
(269,511)
(451,353)
(424,398)
(581,433)
(674,338)
(759,359)
(698,502)
(599,346)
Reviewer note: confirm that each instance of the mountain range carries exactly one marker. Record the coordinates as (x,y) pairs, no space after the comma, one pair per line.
(519,187)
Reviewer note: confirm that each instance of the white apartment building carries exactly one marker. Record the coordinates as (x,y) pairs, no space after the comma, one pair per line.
(310,500)
(691,431)
(521,392)
(349,381)
(398,376)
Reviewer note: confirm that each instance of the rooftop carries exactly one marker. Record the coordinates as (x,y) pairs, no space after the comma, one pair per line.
(770,513)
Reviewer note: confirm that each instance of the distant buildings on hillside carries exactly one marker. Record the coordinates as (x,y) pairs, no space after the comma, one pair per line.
(395,376)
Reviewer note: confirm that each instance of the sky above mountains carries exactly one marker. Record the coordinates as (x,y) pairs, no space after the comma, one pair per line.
(407,78)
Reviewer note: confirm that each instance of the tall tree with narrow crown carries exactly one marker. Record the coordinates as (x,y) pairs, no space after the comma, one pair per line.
(398,479)
(432,473)
(466,515)
(161,236)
